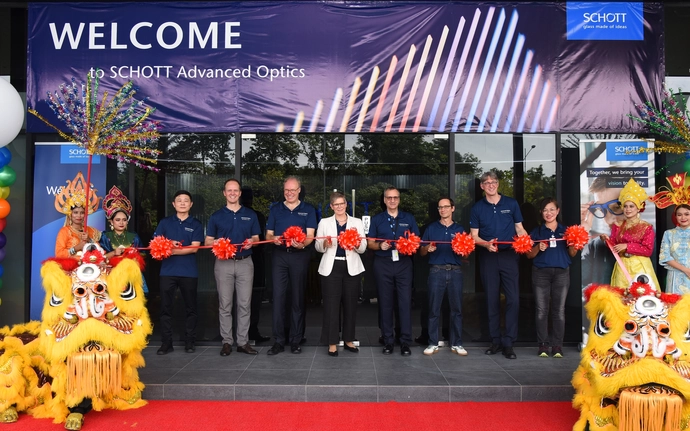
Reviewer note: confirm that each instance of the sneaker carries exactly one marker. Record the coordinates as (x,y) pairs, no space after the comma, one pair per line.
(557,352)
(430,350)
(459,350)
(543,350)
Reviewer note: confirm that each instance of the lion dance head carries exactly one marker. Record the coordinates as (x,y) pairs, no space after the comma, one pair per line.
(94,327)
(635,368)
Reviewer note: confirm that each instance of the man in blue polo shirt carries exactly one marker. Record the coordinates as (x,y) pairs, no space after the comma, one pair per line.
(392,270)
(290,264)
(445,275)
(240,225)
(498,218)
(179,270)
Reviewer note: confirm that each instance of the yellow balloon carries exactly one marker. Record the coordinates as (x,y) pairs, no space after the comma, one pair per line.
(4,192)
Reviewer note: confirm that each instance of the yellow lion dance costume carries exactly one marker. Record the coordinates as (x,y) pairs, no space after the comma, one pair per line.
(86,349)
(634,374)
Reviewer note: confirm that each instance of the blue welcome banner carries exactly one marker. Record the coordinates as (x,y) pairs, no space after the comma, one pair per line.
(355,68)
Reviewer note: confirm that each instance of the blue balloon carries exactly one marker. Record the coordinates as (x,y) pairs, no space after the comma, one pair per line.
(5,156)
(3,240)
(2,270)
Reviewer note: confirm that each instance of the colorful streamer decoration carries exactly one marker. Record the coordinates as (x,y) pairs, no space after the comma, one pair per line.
(463,244)
(118,128)
(293,233)
(408,244)
(349,239)
(223,249)
(522,244)
(576,236)
(161,247)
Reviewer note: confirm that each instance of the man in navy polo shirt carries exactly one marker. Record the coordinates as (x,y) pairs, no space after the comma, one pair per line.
(290,264)
(392,270)
(240,225)
(445,275)
(179,270)
(498,218)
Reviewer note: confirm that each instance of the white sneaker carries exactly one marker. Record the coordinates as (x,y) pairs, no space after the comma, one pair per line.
(459,350)
(430,350)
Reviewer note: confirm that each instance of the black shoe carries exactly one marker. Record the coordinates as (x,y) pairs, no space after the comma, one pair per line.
(405,350)
(353,349)
(509,353)
(296,349)
(388,349)
(258,338)
(277,348)
(422,340)
(226,350)
(493,349)
(189,347)
(166,348)
(334,354)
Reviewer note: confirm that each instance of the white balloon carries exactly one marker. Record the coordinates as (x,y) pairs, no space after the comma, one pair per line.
(11,113)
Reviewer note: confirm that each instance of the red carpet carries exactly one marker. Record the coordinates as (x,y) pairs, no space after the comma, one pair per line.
(245,416)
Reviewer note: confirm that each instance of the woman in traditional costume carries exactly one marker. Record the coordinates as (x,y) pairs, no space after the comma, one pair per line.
(632,239)
(118,210)
(71,201)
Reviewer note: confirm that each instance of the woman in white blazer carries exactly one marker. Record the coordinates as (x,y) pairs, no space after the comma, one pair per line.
(341,272)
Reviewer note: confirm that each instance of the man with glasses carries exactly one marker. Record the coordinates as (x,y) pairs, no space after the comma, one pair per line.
(445,275)
(596,216)
(290,264)
(235,275)
(498,218)
(393,271)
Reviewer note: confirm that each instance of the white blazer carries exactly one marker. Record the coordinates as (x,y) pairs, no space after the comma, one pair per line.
(328,227)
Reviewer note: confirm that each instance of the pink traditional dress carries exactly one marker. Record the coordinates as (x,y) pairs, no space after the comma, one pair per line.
(640,239)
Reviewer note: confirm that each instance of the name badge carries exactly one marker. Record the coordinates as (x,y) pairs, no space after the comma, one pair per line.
(395,256)
(552,242)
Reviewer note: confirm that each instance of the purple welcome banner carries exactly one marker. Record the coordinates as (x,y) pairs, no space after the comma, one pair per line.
(333,67)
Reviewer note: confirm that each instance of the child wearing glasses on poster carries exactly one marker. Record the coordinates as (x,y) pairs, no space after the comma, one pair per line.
(596,216)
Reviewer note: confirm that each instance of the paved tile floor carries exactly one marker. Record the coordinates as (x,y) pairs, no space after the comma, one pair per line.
(365,376)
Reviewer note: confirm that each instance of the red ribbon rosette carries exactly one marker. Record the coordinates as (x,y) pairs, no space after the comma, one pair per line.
(349,239)
(522,244)
(223,249)
(576,236)
(93,256)
(463,244)
(161,247)
(293,233)
(408,245)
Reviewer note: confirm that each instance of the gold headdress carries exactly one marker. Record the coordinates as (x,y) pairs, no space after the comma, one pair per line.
(676,195)
(115,201)
(74,195)
(634,193)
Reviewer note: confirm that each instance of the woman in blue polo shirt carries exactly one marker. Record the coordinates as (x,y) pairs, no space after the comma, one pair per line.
(550,278)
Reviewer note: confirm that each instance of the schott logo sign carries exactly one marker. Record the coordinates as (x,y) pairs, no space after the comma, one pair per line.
(73,154)
(626,151)
(605,21)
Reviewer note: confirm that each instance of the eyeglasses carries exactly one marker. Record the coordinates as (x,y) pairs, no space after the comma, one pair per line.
(339,204)
(444,207)
(550,210)
(392,198)
(612,206)
(290,190)
(490,183)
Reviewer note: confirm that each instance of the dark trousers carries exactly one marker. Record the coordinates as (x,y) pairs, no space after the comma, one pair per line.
(550,291)
(289,276)
(336,288)
(187,286)
(445,280)
(500,271)
(394,278)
